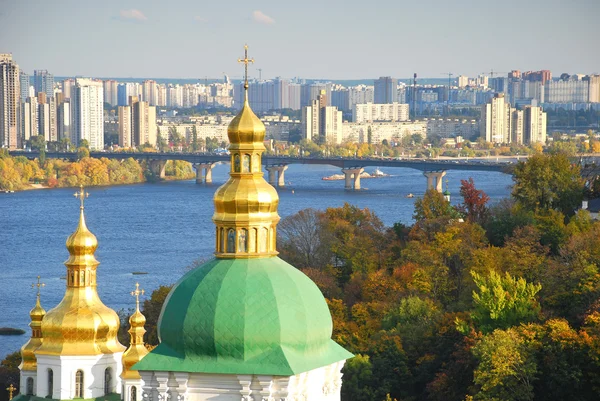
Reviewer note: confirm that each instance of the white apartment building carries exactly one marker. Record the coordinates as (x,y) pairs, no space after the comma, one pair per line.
(87,112)
(390,131)
(125,126)
(322,123)
(572,90)
(370,112)
(111,92)
(29,118)
(452,127)
(534,125)
(360,94)
(495,120)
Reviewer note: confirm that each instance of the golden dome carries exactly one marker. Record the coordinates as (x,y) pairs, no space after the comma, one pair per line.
(246,205)
(80,324)
(246,127)
(28,359)
(136,350)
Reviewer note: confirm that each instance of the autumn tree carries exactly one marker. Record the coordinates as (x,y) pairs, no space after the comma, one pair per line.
(151,310)
(432,206)
(303,241)
(474,205)
(548,182)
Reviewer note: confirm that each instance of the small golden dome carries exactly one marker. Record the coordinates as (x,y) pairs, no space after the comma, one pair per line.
(37,313)
(246,128)
(136,350)
(28,359)
(137,319)
(82,242)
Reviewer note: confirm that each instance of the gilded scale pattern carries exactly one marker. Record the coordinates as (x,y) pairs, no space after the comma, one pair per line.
(246,205)
(80,324)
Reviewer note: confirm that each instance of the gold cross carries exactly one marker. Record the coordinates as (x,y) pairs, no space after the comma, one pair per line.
(81,195)
(38,285)
(246,60)
(10,390)
(137,294)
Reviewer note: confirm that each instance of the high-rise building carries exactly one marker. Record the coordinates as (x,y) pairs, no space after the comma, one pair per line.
(570,89)
(386,90)
(594,88)
(47,117)
(67,85)
(29,118)
(495,120)
(87,113)
(24,84)
(463,81)
(43,82)
(10,95)
(534,125)
(63,118)
(111,92)
(370,112)
(150,93)
(322,123)
(137,123)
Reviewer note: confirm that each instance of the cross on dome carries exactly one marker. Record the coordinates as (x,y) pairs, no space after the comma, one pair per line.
(137,294)
(81,195)
(245,61)
(38,285)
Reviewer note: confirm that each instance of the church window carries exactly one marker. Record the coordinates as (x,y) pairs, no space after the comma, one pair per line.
(107,381)
(243,240)
(231,241)
(262,240)
(246,164)
(30,386)
(50,383)
(133,394)
(255,164)
(79,384)
(236,164)
(222,239)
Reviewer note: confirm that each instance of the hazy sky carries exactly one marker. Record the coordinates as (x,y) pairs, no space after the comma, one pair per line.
(333,39)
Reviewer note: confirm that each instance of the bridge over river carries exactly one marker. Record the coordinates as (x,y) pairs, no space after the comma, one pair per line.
(433,169)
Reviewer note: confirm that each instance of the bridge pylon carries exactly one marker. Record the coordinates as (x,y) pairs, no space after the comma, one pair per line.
(277,175)
(204,169)
(435,179)
(352,178)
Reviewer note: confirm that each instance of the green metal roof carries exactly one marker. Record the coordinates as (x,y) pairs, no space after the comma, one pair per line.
(244,316)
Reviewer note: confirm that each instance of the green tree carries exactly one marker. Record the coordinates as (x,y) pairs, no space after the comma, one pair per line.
(82,152)
(37,142)
(369,135)
(195,143)
(507,368)
(84,143)
(502,302)
(433,205)
(358,382)
(9,374)
(548,182)
(151,310)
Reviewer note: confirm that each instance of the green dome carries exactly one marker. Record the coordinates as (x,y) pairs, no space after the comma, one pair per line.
(244,316)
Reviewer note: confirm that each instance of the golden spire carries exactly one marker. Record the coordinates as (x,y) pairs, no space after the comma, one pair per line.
(246,205)
(136,350)
(80,324)
(28,359)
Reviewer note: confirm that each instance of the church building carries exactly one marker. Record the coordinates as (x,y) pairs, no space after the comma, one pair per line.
(245,325)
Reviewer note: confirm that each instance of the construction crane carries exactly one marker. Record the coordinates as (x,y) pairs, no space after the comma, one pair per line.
(414,96)
(449,84)
(492,72)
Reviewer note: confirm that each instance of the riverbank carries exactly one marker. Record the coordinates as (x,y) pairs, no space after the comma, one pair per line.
(20,174)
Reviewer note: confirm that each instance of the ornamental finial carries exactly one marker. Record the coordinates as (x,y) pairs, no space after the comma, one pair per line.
(38,285)
(245,60)
(81,195)
(137,294)
(10,390)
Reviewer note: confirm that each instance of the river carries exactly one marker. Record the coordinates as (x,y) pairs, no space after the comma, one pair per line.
(161,228)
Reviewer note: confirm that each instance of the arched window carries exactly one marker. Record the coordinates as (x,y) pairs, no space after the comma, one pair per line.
(231,241)
(222,239)
(30,386)
(50,383)
(133,394)
(79,384)
(107,381)
(243,240)
(246,164)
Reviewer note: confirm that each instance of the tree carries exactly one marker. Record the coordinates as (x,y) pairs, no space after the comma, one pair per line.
(507,368)
(358,379)
(195,143)
(302,239)
(502,302)
(474,201)
(151,310)
(433,205)
(82,152)
(548,182)
(38,142)
(83,143)
(369,135)
(9,373)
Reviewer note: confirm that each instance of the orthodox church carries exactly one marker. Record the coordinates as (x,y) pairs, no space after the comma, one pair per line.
(245,325)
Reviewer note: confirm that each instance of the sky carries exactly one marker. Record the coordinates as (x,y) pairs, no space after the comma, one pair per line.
(326,39)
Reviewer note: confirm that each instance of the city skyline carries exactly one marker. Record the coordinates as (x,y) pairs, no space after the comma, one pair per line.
(331,41)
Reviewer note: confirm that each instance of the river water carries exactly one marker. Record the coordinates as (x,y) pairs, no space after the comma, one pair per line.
(162,228)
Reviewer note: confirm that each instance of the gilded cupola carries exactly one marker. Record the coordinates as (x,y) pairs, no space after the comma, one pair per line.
(80,324)
(246,205)
(28,359)
(136,350)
